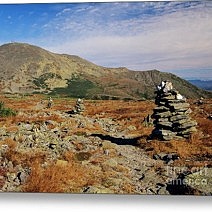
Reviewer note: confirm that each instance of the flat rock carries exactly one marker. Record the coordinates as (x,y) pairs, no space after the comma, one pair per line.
(179,106)
(187,125)
(178,117)
(176,101)
(188,131)
(161,108)
(168,97)
(162,119)
(162,114)
(201,181)
(181,121)
(165,124)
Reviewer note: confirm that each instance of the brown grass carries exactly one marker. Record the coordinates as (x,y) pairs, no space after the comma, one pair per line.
(195,151)
(60,178)
(27,157)
(9,142)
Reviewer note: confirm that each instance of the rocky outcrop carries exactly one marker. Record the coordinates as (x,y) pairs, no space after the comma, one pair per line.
(171,116)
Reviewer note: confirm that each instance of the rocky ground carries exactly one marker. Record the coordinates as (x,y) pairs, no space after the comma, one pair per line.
(104,150)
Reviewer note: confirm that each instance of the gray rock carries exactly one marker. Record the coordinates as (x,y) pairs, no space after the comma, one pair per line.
(164,124)
(162,114)
(201,181)
(162,120)
(188,131)
(160,109)
(187,125)
(177,106)
(178,117)
(168,97)
(175,101)
(181,121)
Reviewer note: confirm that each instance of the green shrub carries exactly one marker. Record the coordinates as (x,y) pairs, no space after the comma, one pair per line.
(5,112)
(77,88)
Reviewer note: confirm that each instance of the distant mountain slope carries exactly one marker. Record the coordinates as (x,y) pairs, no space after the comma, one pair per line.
(204,84)
(26,68)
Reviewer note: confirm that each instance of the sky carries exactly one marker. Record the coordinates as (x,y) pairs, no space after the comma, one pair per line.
(168,36)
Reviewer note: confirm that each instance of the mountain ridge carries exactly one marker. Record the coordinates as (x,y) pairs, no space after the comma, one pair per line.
(204,84)
(26,68)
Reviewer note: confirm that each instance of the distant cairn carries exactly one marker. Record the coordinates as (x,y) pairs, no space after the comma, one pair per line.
(79,107)
(171,116)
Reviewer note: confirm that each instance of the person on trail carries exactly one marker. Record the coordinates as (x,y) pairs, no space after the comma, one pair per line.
(50,102)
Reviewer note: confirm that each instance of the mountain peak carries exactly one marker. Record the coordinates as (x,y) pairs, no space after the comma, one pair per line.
(26,68)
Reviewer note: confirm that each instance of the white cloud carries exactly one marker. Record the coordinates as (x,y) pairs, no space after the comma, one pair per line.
(177,37)
(65,10)
(177,40)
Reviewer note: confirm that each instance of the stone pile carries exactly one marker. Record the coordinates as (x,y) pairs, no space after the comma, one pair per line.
(79,107)
(171,116)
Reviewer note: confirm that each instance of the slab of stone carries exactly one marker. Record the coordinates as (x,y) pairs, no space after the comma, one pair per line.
(165,98)
(178,117)
(164,124)
(162,114)
(162,120)
(188,131)
(176,101)
(187,125)
(161,108)
(179,106)
(181,121)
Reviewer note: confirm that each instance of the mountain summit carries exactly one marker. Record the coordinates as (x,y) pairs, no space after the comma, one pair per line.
(26,68)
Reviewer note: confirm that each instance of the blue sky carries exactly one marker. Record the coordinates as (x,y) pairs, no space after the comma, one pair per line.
(168,36)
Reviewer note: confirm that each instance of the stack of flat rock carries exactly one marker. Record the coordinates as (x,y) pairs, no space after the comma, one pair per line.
(171,116)
(79,107)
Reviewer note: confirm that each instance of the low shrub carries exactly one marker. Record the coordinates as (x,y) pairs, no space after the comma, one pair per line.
(6,112)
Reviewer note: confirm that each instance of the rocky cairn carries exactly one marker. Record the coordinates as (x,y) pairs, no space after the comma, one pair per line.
(79,107)
(172,114)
